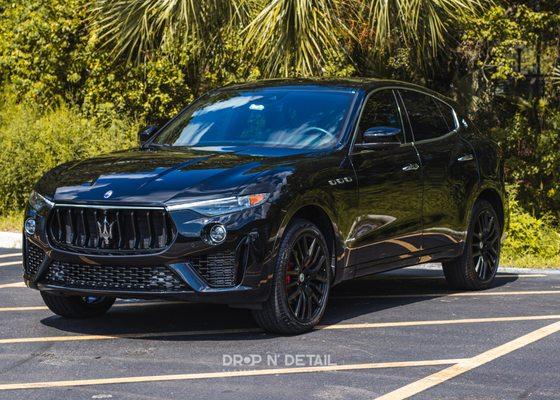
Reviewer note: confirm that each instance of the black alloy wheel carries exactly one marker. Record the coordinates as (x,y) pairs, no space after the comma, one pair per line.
(476,268)
(301,281)
(485,245)
(307,278)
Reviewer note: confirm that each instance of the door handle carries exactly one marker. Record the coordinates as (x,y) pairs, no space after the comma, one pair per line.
(466,157)
(411,167)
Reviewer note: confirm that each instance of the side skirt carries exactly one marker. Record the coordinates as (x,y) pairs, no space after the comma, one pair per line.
(427,256)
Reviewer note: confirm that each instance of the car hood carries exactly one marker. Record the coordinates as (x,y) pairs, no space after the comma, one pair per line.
(163,175)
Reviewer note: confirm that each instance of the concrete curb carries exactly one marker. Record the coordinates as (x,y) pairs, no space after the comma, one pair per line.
(10,240)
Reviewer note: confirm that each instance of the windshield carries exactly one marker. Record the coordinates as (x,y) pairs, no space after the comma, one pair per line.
(294,118)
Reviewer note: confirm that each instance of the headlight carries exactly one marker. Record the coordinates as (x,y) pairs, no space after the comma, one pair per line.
(221,206)
(37,202)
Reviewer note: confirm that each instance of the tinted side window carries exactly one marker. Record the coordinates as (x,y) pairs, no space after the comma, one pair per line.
(380,110)
(424,115)
(447,113)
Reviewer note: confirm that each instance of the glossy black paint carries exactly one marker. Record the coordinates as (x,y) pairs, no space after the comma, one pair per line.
(375,214)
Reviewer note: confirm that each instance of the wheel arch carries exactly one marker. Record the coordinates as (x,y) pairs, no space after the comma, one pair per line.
(492,196)
(325,220)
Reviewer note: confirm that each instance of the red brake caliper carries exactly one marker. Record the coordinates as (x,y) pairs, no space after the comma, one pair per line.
(289,268)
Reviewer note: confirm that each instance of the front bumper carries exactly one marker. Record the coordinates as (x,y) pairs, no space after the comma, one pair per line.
(250,239)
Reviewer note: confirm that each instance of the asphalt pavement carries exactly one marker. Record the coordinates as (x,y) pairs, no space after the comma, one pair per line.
(397,335)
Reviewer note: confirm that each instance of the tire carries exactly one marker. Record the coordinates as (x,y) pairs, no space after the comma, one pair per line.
(77,306)
(298,282)
(476,268)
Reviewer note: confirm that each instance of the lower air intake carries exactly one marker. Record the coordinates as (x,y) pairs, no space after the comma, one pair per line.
(33,258)
(114,277)
(217,269)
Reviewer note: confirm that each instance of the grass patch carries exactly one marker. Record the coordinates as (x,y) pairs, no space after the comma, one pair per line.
(530,261)
(532,242)
(11,222)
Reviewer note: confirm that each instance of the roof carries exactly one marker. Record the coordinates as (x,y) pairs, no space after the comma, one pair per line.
(366,84)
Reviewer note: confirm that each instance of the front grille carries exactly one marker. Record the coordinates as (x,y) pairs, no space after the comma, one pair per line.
(110,230)
(217,269)
(114,277)
(34,256)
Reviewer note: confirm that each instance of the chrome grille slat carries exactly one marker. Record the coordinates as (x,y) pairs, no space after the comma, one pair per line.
(110,231)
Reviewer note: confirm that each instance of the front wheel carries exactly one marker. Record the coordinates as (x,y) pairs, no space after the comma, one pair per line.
(476,268)
(77,306)
(301,282)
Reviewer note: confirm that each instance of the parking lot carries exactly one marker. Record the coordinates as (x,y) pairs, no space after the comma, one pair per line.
(394,336)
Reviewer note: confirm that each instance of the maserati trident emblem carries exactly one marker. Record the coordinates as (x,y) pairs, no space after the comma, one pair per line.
(108,194)
(105,230)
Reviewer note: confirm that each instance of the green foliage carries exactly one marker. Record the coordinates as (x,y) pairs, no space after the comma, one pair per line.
(38,46)
(33,143)
(490,42)
(153,91)
(11,222)
(533,157)
(287,37)
(49,56)
(137,28)
(531,241)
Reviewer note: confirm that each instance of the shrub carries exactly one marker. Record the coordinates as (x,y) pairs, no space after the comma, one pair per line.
(33,143)
(531,242)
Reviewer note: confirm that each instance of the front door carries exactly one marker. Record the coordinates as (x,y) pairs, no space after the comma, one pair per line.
(388,223)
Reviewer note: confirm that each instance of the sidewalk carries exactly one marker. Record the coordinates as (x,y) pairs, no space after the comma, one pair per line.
(10,240)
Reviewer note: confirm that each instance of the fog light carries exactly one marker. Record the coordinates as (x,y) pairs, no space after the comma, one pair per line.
(217,234)
(29,226)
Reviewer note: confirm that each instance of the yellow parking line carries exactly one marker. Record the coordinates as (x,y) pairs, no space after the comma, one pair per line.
(10,263)
(380,296)
(41,308)
(458,367)
(470,363)
(366,325)
(438,277)
(449,294)
(13,285)
(30,308)
(78,338)
(227,374)
(10,255)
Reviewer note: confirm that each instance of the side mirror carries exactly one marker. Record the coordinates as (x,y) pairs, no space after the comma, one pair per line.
(380,137)
(147,133)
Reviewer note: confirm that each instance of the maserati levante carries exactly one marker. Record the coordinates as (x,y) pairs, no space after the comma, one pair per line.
(265,195)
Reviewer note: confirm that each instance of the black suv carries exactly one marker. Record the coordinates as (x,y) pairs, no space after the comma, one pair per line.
(265,195)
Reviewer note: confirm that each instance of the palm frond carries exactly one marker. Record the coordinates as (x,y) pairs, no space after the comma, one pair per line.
(294,36)
(135,27)
(422,24)
(555,76)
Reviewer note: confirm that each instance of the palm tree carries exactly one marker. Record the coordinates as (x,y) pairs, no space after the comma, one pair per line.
(287,37)
(556,76)
(136,27)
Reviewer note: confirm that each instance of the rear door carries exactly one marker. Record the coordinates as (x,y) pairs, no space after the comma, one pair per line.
(449,169)
(388,223)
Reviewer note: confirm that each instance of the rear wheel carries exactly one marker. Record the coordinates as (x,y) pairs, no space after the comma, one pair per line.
(301,282)
(476,268)
(77,306)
